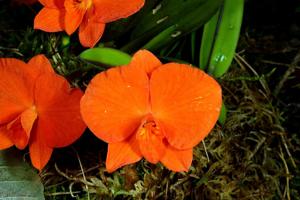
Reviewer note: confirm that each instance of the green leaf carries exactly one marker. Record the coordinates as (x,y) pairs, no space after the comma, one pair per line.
(17,179)
(180,16)
(223,114)
(208,39)
(225,29)
(153,43)
(106,56)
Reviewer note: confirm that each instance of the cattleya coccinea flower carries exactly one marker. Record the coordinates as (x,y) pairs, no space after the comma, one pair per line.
(151,110)
(38,108)
(89,15)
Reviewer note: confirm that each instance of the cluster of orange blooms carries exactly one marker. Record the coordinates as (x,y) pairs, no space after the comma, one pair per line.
(145,109)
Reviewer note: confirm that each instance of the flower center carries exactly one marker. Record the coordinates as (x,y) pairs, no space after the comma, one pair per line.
(151,139)
(149,126)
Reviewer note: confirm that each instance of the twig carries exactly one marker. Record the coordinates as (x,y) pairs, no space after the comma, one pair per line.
(89,170)
(167,188)
(71,190)
(61,193)
(257,148)
(287,74)
(242,62)
(83,175)
(278,63)
(205,150)
(287,192)
(282,133)
(14,50)
(75,179)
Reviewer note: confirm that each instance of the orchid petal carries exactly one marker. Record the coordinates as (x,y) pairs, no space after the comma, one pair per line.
(187,103)
(122,153)
(115,102)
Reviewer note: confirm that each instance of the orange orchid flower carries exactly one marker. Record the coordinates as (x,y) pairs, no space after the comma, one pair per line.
(38,108)
(151,110)
(89,15)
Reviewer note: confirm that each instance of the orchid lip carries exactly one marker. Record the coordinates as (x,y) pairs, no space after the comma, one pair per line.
(149,125)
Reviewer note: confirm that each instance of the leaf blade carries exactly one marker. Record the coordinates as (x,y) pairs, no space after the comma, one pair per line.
(226,37)
(17,179)
(106,56)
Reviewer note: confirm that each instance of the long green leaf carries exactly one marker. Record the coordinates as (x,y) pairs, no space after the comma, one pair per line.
(207,42)
(155,42)
(226,34)
(223,114)
(106,56)
(17,179)
(185,16)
